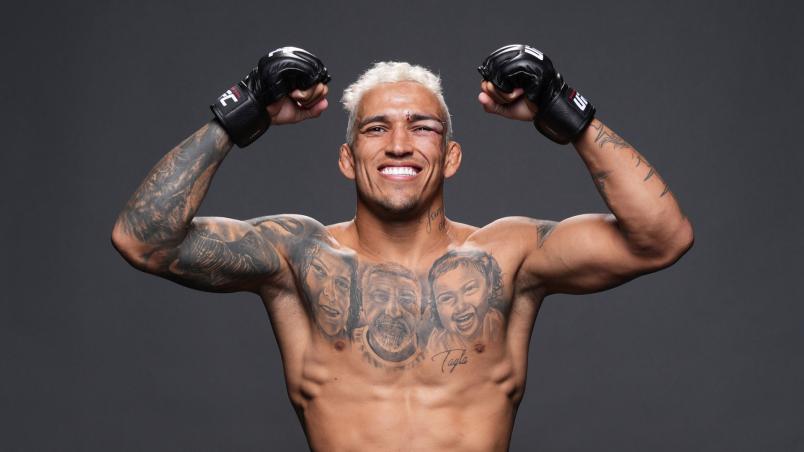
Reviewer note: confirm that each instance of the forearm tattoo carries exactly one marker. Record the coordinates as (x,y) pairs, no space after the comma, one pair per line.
(606,137)
(600,182)
(161,209)
(391,317)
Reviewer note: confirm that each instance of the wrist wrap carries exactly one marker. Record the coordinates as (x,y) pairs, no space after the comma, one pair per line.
(564,113)
(242,116)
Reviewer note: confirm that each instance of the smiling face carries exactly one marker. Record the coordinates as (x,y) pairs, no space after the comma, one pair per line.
(461,298)
(328,281)
(392,302)
(399,158)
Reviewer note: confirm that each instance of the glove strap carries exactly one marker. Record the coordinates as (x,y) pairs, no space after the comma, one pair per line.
(242,116)
(564,116)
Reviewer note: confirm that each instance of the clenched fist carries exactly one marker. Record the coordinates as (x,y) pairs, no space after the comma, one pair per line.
(288,85)
(520,82)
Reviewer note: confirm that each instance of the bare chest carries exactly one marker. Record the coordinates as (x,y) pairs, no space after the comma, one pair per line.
(428,321)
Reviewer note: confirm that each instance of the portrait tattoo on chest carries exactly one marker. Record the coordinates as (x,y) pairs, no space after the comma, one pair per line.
(391,316)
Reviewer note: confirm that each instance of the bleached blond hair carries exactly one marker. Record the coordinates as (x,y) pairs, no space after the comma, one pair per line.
(391,72)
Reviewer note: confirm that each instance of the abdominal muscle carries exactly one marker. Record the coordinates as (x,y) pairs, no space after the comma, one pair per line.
(460,400)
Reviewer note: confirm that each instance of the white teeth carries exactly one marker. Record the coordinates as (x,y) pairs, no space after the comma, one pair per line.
(399,170)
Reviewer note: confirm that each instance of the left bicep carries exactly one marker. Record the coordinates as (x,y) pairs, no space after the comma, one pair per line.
(585,254)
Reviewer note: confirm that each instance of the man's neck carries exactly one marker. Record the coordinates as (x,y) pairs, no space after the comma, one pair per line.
(405,241)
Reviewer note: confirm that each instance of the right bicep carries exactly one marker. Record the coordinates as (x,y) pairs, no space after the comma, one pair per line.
(223,255)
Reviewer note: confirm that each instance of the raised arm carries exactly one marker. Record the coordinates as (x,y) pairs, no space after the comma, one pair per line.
(158,231)
(645,232)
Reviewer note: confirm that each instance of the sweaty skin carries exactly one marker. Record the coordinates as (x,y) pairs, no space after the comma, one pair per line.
(402,329)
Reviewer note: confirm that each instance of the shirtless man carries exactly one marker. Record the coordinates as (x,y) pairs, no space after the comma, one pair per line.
(402,329)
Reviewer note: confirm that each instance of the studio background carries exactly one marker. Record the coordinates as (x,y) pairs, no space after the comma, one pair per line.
(705,355)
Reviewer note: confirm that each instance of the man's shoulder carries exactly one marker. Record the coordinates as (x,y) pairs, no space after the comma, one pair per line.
(518,230)
(289,223)
(290,233)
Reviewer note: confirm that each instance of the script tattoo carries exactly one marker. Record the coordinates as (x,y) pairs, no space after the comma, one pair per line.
(451,359)
(436,214)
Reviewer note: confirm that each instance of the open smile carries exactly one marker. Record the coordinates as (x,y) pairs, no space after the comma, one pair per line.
(465,321)
(399,172)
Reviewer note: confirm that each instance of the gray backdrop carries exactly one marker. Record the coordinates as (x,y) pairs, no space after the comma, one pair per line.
(705,355)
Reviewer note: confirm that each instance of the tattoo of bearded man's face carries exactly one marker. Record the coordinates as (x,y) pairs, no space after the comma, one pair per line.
(392,304)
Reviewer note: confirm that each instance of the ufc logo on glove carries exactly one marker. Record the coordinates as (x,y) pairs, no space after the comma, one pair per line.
(228,95)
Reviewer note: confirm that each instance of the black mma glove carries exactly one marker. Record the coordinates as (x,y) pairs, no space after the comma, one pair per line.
(563,113)
(241,109)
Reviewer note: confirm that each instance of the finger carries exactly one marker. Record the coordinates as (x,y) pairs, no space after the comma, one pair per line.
(501,97)
(302,95)
(319,93)
(316,109)
(514,95)
(312,95)
(495,94)
(489,105)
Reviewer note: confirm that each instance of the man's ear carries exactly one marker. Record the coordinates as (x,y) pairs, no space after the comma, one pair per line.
(346,161)
(453,159)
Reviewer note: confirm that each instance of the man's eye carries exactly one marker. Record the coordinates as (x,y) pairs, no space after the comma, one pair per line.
(407,298)
(380,296)
(374,129)
(424,130)
(427,128)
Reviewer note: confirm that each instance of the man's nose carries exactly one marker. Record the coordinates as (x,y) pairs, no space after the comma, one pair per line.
(400,144)
(393,309)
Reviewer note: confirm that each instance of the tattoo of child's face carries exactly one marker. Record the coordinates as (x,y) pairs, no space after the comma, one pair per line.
(465,289)
(461,298)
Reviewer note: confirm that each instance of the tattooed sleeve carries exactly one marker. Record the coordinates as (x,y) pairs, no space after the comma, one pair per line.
(223,255)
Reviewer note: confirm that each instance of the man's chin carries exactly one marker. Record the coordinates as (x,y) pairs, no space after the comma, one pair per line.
(397,209)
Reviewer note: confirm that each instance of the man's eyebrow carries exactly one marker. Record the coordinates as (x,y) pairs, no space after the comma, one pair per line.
(414,117)
(370,119)
(419,117)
